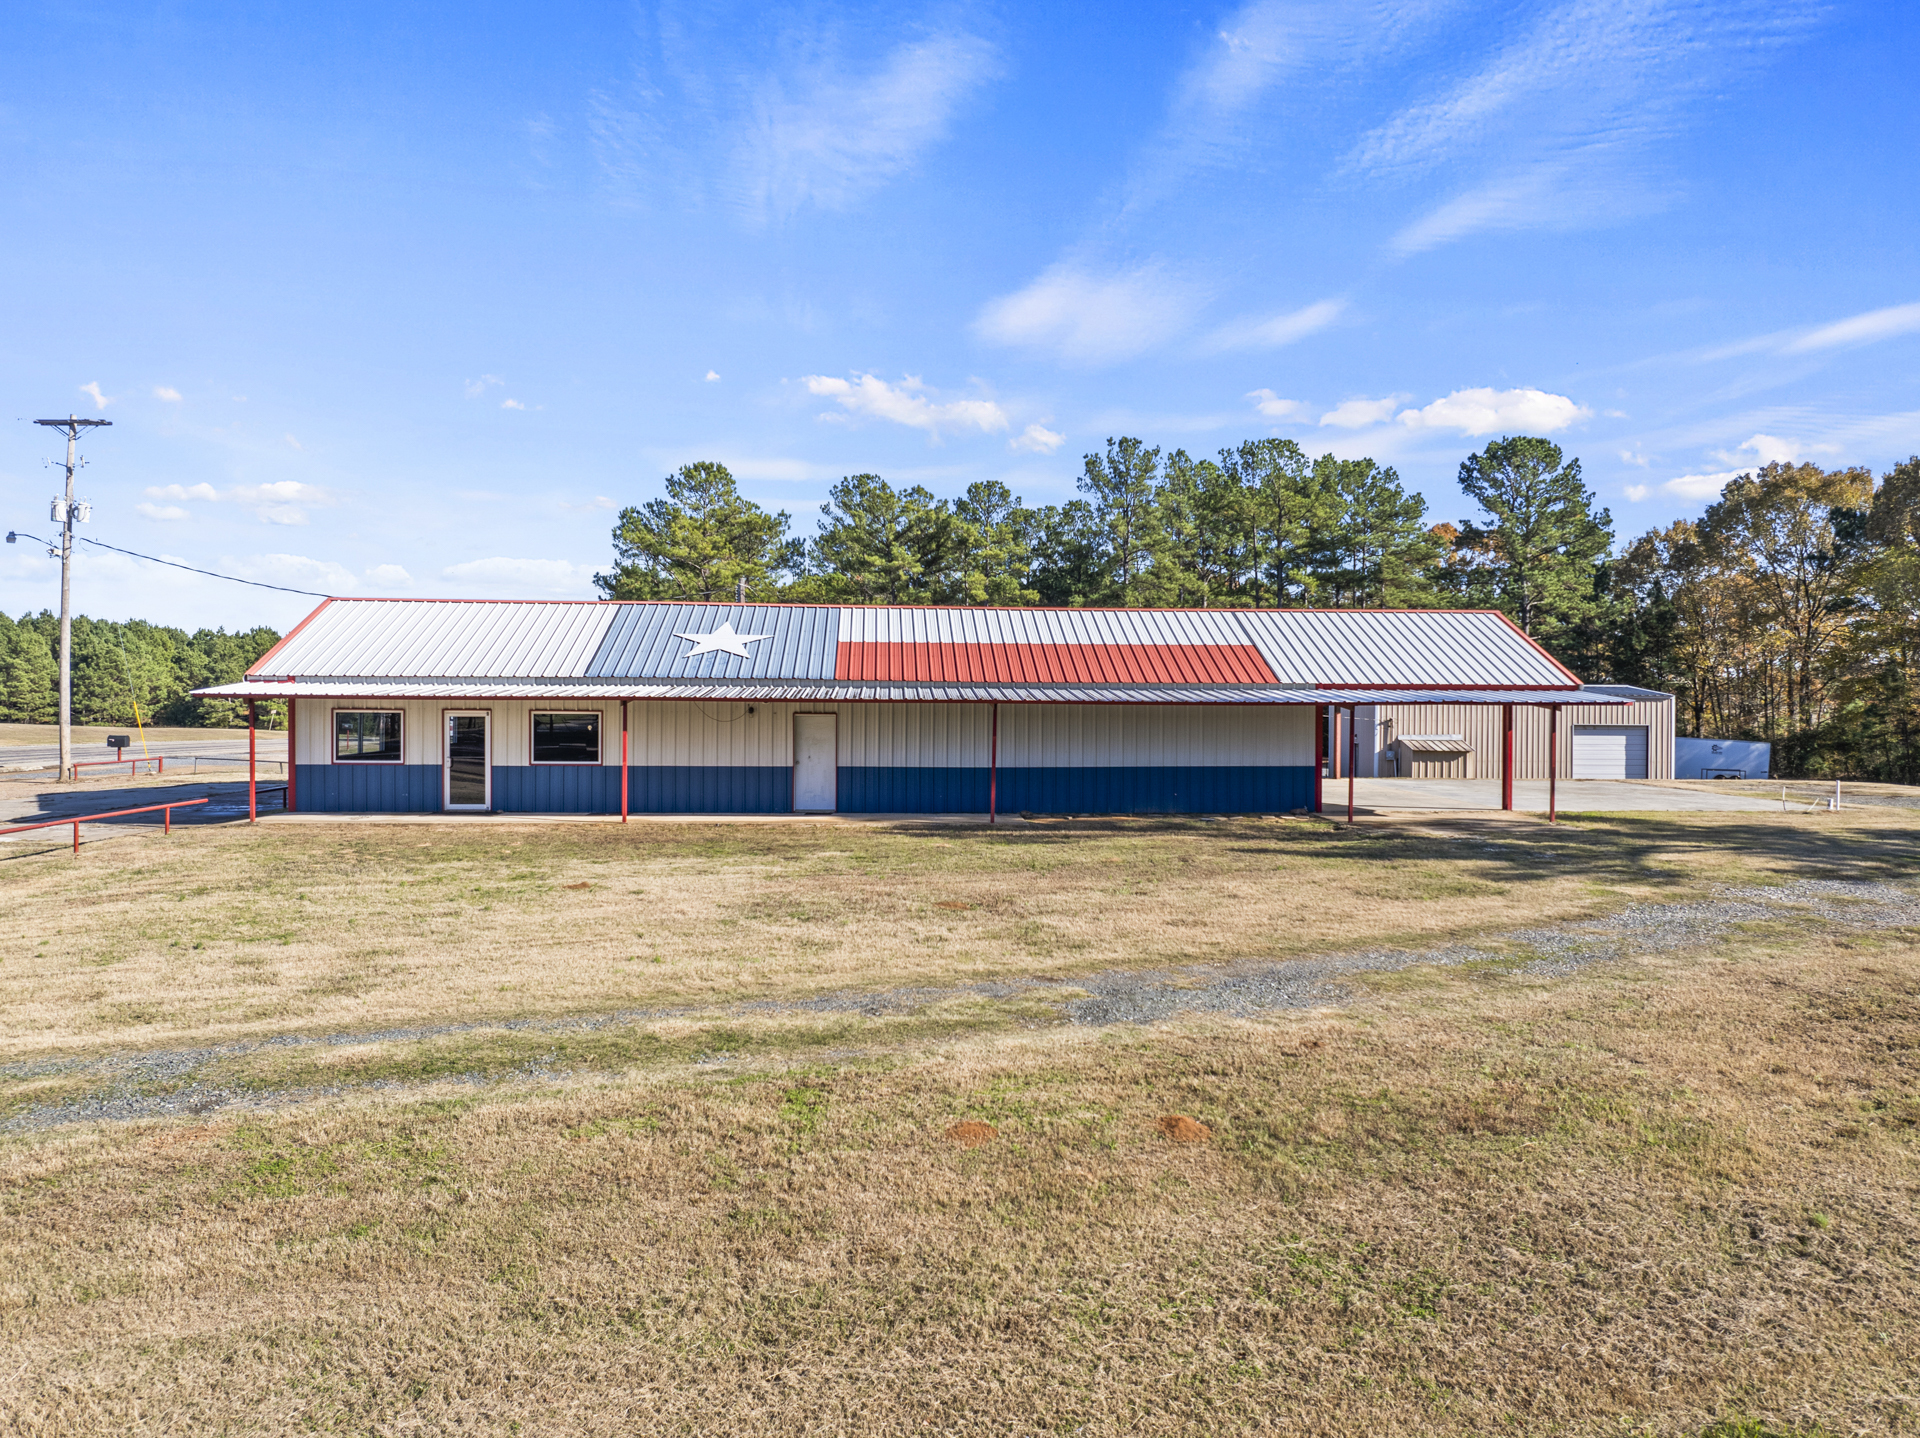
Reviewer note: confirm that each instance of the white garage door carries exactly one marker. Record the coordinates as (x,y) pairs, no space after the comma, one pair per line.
(1609,751)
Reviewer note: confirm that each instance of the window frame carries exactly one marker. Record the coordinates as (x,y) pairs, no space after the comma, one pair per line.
(333,737)
(599,740)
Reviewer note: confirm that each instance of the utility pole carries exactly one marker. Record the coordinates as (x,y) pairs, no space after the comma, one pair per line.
(65,512)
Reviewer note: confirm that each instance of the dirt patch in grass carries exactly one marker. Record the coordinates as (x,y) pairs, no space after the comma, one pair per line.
(971,1133)
(1181,1129)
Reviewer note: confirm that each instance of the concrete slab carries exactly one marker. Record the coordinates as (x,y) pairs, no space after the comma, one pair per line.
(1608,796)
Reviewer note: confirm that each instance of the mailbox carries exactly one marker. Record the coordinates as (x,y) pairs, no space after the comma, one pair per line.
(118,741)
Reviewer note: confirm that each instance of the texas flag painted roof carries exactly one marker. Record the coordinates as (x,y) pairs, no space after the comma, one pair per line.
(623,648)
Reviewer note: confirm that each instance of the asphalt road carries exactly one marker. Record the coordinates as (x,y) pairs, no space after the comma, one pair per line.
(273,747)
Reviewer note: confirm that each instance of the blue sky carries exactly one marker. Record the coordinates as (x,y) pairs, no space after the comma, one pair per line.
(408,299)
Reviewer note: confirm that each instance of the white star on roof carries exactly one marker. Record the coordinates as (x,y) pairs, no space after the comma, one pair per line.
(721,641)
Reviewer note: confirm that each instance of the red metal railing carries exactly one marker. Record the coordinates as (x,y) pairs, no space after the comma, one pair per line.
(167,821)
(158,760)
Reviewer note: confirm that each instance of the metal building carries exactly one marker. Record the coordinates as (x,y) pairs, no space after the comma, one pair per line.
(616,707)
(1630,736)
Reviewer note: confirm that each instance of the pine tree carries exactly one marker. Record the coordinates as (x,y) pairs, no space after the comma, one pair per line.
(698,542)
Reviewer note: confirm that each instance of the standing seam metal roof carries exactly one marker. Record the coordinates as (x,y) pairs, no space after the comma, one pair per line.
(571,640)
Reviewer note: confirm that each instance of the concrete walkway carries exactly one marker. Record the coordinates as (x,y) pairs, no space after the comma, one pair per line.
(1576,796)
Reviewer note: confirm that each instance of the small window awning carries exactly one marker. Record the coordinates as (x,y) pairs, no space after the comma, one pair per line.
(1435,743)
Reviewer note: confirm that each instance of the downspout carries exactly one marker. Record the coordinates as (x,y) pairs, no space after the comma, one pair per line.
(624,773)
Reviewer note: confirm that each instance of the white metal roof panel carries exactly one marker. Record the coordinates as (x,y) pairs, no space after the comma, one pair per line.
(1366,647)
(414,639)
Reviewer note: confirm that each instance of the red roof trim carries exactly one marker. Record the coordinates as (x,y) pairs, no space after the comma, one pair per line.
(975,608)
(287,639)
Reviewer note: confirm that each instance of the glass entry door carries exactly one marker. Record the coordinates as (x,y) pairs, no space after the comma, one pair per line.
(468,778)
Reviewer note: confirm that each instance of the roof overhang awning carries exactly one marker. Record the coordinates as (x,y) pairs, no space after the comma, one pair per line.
(587,690)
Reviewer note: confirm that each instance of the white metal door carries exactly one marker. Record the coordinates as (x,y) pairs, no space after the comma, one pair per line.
(816,763)
(1609,751)
(467,767)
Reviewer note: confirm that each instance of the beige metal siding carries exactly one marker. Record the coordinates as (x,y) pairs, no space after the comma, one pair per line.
(1480,723)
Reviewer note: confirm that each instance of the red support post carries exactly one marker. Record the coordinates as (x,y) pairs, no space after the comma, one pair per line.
(1506,756)
(993,772)
(1353,754)
(292,742)
(1553,760)
(1319,756)
(253,790)
(625,773)
(76,838)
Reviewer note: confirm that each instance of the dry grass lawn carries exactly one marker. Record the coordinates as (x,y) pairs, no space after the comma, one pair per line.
(1662,1196)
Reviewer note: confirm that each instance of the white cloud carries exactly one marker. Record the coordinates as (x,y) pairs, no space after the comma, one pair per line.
(1517,201)
(1557,128)
(1860,329)
(513,578)
(1277,330)
(392,576)
(597,503)
(1771,449)
(511,404)
(1036,439)
(282,502)
(1755,453)
(772,467)
(1088,318)
(1241,96)
(167,393)
(1637,492)
(295,570)
(828,138)
(1628,456)
(1488,411)
(92,387)
(477,387)
(713,376)
(1700,486)
(160,511)
(906,403)
(292,443)
(1358,413)
(1273,407)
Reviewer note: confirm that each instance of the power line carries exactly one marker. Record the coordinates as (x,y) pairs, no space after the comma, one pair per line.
(171,564)
(231,579)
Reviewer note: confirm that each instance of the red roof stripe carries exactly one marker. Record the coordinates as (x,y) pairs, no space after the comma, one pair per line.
(1055,663)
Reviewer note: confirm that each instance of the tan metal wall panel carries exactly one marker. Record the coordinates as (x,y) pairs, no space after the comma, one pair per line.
(1481,726)
(1069,736)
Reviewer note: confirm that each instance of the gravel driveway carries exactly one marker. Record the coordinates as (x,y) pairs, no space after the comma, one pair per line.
(128,1081)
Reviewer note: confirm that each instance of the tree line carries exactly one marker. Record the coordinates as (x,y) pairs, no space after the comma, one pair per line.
(120,665)
(1789,612)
